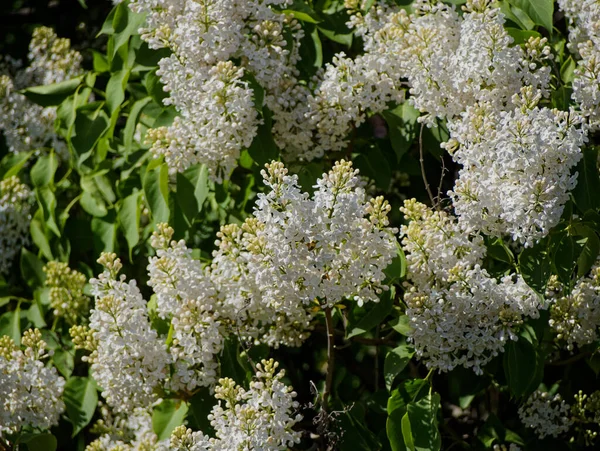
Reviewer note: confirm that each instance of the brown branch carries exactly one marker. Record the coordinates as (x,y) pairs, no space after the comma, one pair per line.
(330,357)
(439,190)
(427,187)
(570,360)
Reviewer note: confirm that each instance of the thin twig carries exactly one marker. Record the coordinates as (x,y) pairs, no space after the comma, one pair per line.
(570,360)
(429,193)
(330,357)
(439,190)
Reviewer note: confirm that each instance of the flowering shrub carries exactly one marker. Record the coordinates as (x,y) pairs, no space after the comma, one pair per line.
(291,224)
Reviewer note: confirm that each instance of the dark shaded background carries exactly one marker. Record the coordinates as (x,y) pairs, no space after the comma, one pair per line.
(68,18)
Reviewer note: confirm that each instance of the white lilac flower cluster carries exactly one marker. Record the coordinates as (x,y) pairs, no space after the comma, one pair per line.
(516,166)
(296,253)
(451,61)
(129,360)
(267,280)
(575,316)
(459,314)
(185,296)
(125,432)
(546,414)
(218,115)
(584,39)
(30,392)
(262,417)
(15,206)
(25,125)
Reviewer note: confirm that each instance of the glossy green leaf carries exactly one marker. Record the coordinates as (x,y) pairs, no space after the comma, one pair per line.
(395,361)
(32,269)
(540,11)
(375,315)
(53,94)
(40,442)
(81,399)
(156,189)
(402,127)
(586,191)
(169,414)
(520,366)
(129,219)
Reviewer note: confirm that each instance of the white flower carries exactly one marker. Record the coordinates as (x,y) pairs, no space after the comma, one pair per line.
(30,392)
(262,417)
(25,125)
(516,167)
(547,415)
(185,296)
(458,313)
(130,360)
(297,252)
(575,316)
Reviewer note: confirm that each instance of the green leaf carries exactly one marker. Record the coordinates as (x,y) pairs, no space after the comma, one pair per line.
(200,406)
(230,366)
(115,89)
(395,361)
(39,238)
(535,265)
(88,128)
(375,315)
(521,36)
(402,325)
(81,399)
(10,324)
(589,253)
(156,189)
(169,414)
(12,164)
(520,366)
(47,201)
(301,11)
(54,94)
(42,172)
(64,361)
(129,219)
(263,148)
(402,126)
(40,442)
(32,269)
(192,191)
(423,423)
(396,270)
(132,121)
(155,87)
(92,203)
(566,256)
(567,70)
(586,192)
(125,24)
(105,232)
(406,429)
(540,11)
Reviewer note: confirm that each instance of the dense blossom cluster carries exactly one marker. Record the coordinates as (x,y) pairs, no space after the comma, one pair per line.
(459,314)
(185,296)
(15,206)
(25,125)
(575,315)
(296,253)
(30,392)
(584,39)
(452,61)
(516,167)
(125,432)
(129,360)
(218,107)
(546,414)
(262,417)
